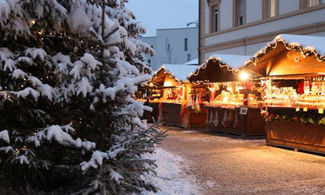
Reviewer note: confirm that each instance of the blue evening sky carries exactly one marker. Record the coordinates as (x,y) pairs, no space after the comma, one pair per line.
(156,14)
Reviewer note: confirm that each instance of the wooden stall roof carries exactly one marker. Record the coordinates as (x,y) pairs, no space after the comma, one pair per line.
(218,68)
(289,56)
(177,72)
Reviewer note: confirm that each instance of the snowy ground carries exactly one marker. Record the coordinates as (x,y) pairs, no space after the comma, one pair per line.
(171,178)
(224,164)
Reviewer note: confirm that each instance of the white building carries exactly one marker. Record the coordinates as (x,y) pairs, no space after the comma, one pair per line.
(173,46)
(151,60)
(242,27)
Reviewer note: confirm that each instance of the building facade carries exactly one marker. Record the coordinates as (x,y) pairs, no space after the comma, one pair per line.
(173,46)
(151,60)
(242,27)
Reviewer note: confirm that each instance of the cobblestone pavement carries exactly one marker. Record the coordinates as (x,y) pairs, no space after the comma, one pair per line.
(224,164)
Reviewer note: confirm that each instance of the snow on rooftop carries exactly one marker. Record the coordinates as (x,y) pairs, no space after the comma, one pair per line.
(180,71)
(233,61)
(193,62)
(315,42)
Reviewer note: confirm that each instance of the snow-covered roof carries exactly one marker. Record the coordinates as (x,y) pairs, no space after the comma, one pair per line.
(307,42)
(180,71)
(308,45)
(233,61)
(193,62)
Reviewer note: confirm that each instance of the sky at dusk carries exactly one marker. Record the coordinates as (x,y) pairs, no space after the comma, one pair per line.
(156,14)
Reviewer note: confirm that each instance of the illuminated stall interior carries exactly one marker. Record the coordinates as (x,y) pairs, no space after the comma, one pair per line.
(233,97)
(226,85)
(168,84)
(167,92)
(292,71)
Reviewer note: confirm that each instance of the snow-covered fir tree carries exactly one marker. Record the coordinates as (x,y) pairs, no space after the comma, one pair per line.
(69,123)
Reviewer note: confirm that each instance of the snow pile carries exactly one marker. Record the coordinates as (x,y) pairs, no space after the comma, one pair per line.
(170,178)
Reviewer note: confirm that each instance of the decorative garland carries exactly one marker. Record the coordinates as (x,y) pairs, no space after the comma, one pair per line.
(290,115)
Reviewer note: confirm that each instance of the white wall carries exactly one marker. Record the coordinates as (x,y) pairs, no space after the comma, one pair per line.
(287,6)
(250,50)
(175,38)
(253,10)
(226,15)
(272,26)
(152,42)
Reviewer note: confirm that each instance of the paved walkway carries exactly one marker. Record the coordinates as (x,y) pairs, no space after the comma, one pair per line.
(231,165)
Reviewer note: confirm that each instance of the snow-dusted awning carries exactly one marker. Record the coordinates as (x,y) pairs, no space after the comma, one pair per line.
(218,68)
(178,72)
(307,46)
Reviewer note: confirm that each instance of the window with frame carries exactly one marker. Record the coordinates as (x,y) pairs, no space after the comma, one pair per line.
(310,3)
(214,15)
(271,8)
(185,44)
(188,57)
(239,12)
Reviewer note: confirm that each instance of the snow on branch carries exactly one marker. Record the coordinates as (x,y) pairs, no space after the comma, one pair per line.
(127,84)
(115,175)
(84,87)
(96,159)
(28,91)
(36,52)
(61,135)
(5,136)
(90,61)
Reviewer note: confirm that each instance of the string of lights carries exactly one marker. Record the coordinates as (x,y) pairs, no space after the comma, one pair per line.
(305,51)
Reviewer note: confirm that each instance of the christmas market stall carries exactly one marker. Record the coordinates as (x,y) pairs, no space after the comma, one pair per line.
(292,68)
(232,99)
(167,92)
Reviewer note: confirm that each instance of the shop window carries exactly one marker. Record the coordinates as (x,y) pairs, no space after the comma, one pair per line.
(239,12)
(271,8)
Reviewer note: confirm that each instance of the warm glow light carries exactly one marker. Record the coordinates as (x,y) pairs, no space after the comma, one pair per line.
(167,84)
(225,100)
(32,22)
(151,84)
(243,76)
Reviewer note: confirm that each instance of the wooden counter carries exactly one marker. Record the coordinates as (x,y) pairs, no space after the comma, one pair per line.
(294,134)
(198,119)
(249,124)
(171,114)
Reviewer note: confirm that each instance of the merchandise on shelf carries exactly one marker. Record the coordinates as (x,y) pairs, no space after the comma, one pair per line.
(235,94)
(306,95)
